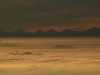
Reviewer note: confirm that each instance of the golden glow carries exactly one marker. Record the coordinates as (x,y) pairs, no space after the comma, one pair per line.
(35,56)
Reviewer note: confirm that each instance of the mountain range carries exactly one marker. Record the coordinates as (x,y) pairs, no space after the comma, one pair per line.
(92,32)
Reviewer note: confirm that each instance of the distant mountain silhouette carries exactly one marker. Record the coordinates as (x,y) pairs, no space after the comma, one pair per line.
(17,33)
(94,32)
(51,32)
(67,32)
(39,33)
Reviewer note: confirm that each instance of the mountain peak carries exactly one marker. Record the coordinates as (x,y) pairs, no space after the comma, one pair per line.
(94,29)
(19,31)
(39,31)
(67,30)
(51,30)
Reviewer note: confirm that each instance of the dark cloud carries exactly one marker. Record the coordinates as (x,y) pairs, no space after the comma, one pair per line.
(11,59)
(18,53)
(62,47)
(27,53)
(34,14)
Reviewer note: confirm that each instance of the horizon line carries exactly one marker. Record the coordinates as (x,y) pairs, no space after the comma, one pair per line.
(48,30)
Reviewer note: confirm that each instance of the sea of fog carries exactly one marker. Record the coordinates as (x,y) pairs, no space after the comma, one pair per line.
(50,56)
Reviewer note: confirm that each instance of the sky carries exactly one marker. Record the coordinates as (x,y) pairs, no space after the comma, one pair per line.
(32,15)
